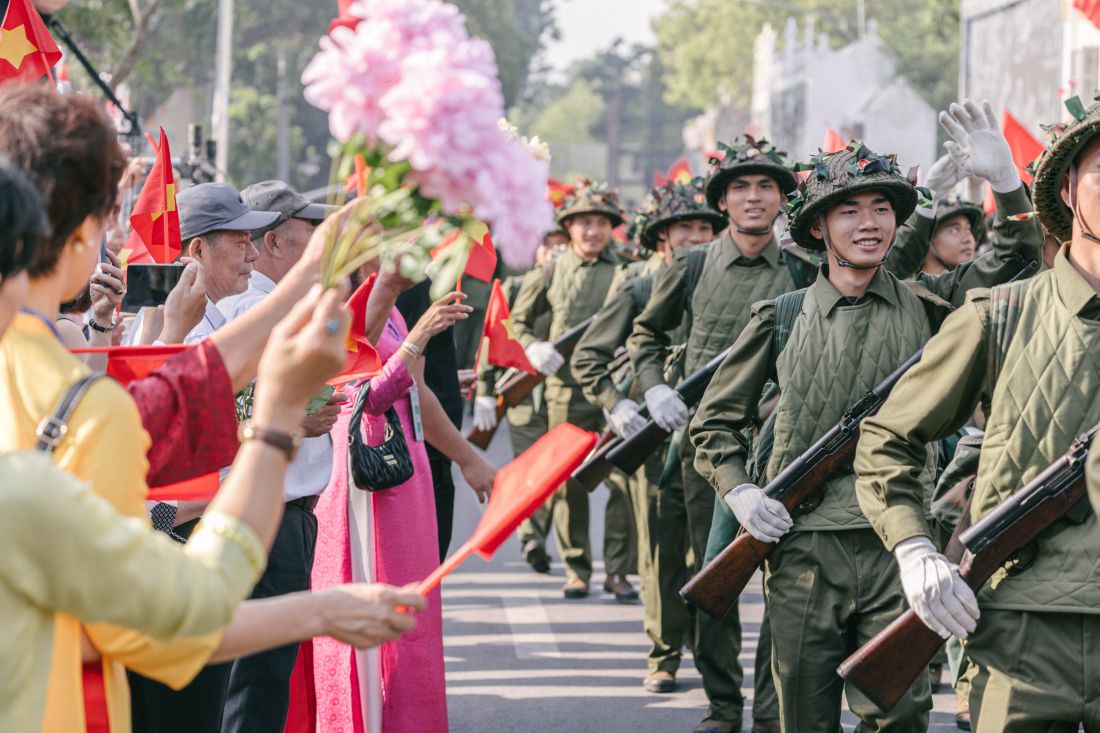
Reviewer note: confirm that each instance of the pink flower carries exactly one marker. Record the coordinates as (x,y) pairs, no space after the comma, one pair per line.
(411,78)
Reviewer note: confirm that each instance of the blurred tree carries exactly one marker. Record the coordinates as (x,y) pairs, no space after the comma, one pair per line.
(573,118)
(707,45)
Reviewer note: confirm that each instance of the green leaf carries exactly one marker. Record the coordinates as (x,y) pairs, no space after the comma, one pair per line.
(1076,108)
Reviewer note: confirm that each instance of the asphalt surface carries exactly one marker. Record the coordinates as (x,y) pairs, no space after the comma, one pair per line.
(519,657)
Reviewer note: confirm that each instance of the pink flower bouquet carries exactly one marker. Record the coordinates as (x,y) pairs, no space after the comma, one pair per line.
(410,91)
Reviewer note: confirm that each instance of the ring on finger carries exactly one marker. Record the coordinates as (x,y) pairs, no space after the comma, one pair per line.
(332,326)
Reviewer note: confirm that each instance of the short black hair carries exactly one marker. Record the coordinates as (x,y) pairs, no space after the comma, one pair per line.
(23,222)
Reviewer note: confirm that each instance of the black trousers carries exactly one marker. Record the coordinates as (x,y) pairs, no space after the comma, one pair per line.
(251,693)
(444,484)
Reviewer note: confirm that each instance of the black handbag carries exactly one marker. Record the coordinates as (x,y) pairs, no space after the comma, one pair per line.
(377,467)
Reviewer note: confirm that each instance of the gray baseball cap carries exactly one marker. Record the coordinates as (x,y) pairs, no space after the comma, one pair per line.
(210,207)
(279,197)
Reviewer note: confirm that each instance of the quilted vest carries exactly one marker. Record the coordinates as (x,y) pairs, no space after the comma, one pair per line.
(829,362)
(722,301)
(1047,393)
(576,291)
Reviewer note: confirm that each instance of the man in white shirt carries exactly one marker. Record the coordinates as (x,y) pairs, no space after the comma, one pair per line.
(258,692)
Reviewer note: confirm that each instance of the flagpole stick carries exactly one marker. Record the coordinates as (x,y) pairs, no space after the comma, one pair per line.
(449,565)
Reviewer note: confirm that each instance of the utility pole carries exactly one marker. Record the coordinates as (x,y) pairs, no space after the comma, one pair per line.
(223,79)
(282,130)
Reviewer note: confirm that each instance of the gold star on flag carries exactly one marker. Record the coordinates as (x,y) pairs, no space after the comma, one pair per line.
(15,46)
(508,328)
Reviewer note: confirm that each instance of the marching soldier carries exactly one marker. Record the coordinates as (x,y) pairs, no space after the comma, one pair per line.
(709,290)
(573,289)
(953,234)
(829,584)
(1028,352)
(527,420)
(675,216)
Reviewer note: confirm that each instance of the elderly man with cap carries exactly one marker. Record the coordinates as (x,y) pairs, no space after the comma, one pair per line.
(258,692)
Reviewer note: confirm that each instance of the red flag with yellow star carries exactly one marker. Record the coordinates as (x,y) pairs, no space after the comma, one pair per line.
(482,260)
(362,359)
(680,172)
(504,349)
(27,50)
(155,219)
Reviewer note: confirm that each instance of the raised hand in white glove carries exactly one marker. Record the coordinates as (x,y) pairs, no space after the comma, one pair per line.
(762,517)
(624,419)
(544,357)
(666,407)
(935,590)
(485,413)
(978,146)
(941,178)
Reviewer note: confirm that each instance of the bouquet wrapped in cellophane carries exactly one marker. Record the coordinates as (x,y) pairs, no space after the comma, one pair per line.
(418,102)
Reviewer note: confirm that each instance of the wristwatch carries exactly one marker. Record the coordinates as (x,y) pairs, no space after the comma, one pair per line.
(288,443)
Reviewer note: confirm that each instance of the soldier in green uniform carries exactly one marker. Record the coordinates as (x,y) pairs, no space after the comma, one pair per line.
(829,583)
(571,291)
(674,216)
(1029,352)
(953,232)
(527,420)
(708,290)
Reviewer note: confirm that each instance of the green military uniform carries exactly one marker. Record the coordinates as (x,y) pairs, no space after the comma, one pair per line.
(662,554)
(572,291)
(1092,471)
(1029,352)
(526,421)
(710,289)
(830,585)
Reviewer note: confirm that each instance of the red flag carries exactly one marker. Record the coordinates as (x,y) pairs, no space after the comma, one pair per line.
(344,17)
(680,172)
(556,192)
(659,178)
(504,349)
(362,359)
(519,489)
(155,219)
(482,260)
(127,363)
(1025,148)
(1090,9)
(834,143)
(27,51)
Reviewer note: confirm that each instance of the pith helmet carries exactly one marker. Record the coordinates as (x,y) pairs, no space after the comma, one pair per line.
(744,157)
(834,177)
(950,206)
(671,203)
(591,198)
(1066,141)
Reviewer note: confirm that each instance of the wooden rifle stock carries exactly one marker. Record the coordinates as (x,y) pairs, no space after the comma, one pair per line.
(884,668)
(716,588)
(596,467)
(515,384)
(629,455)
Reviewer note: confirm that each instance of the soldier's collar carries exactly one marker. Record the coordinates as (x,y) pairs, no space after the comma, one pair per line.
(729,252)
(1073,289)
(828,297)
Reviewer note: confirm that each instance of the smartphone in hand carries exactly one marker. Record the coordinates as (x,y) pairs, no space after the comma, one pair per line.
(149,285)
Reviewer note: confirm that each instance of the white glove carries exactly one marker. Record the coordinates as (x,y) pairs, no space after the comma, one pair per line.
(935,590)
(544,357)
(763,517)
(624,419)
(979,147)
(942,177)
(666,408)
(485,413)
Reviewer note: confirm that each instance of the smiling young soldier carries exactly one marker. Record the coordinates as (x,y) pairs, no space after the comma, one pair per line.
(956,232)
(674,216)
(571,291)
(1028,352)
(829,583)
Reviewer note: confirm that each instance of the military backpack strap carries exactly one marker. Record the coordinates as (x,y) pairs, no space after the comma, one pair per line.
(548,270)
(641,288)
(787,308)
(801,264)
(935,308)
(696,258)
(1005,306)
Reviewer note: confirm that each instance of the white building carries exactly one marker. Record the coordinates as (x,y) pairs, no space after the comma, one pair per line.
(805,88)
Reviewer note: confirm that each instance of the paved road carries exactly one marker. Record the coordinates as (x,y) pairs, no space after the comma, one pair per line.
(521,658)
